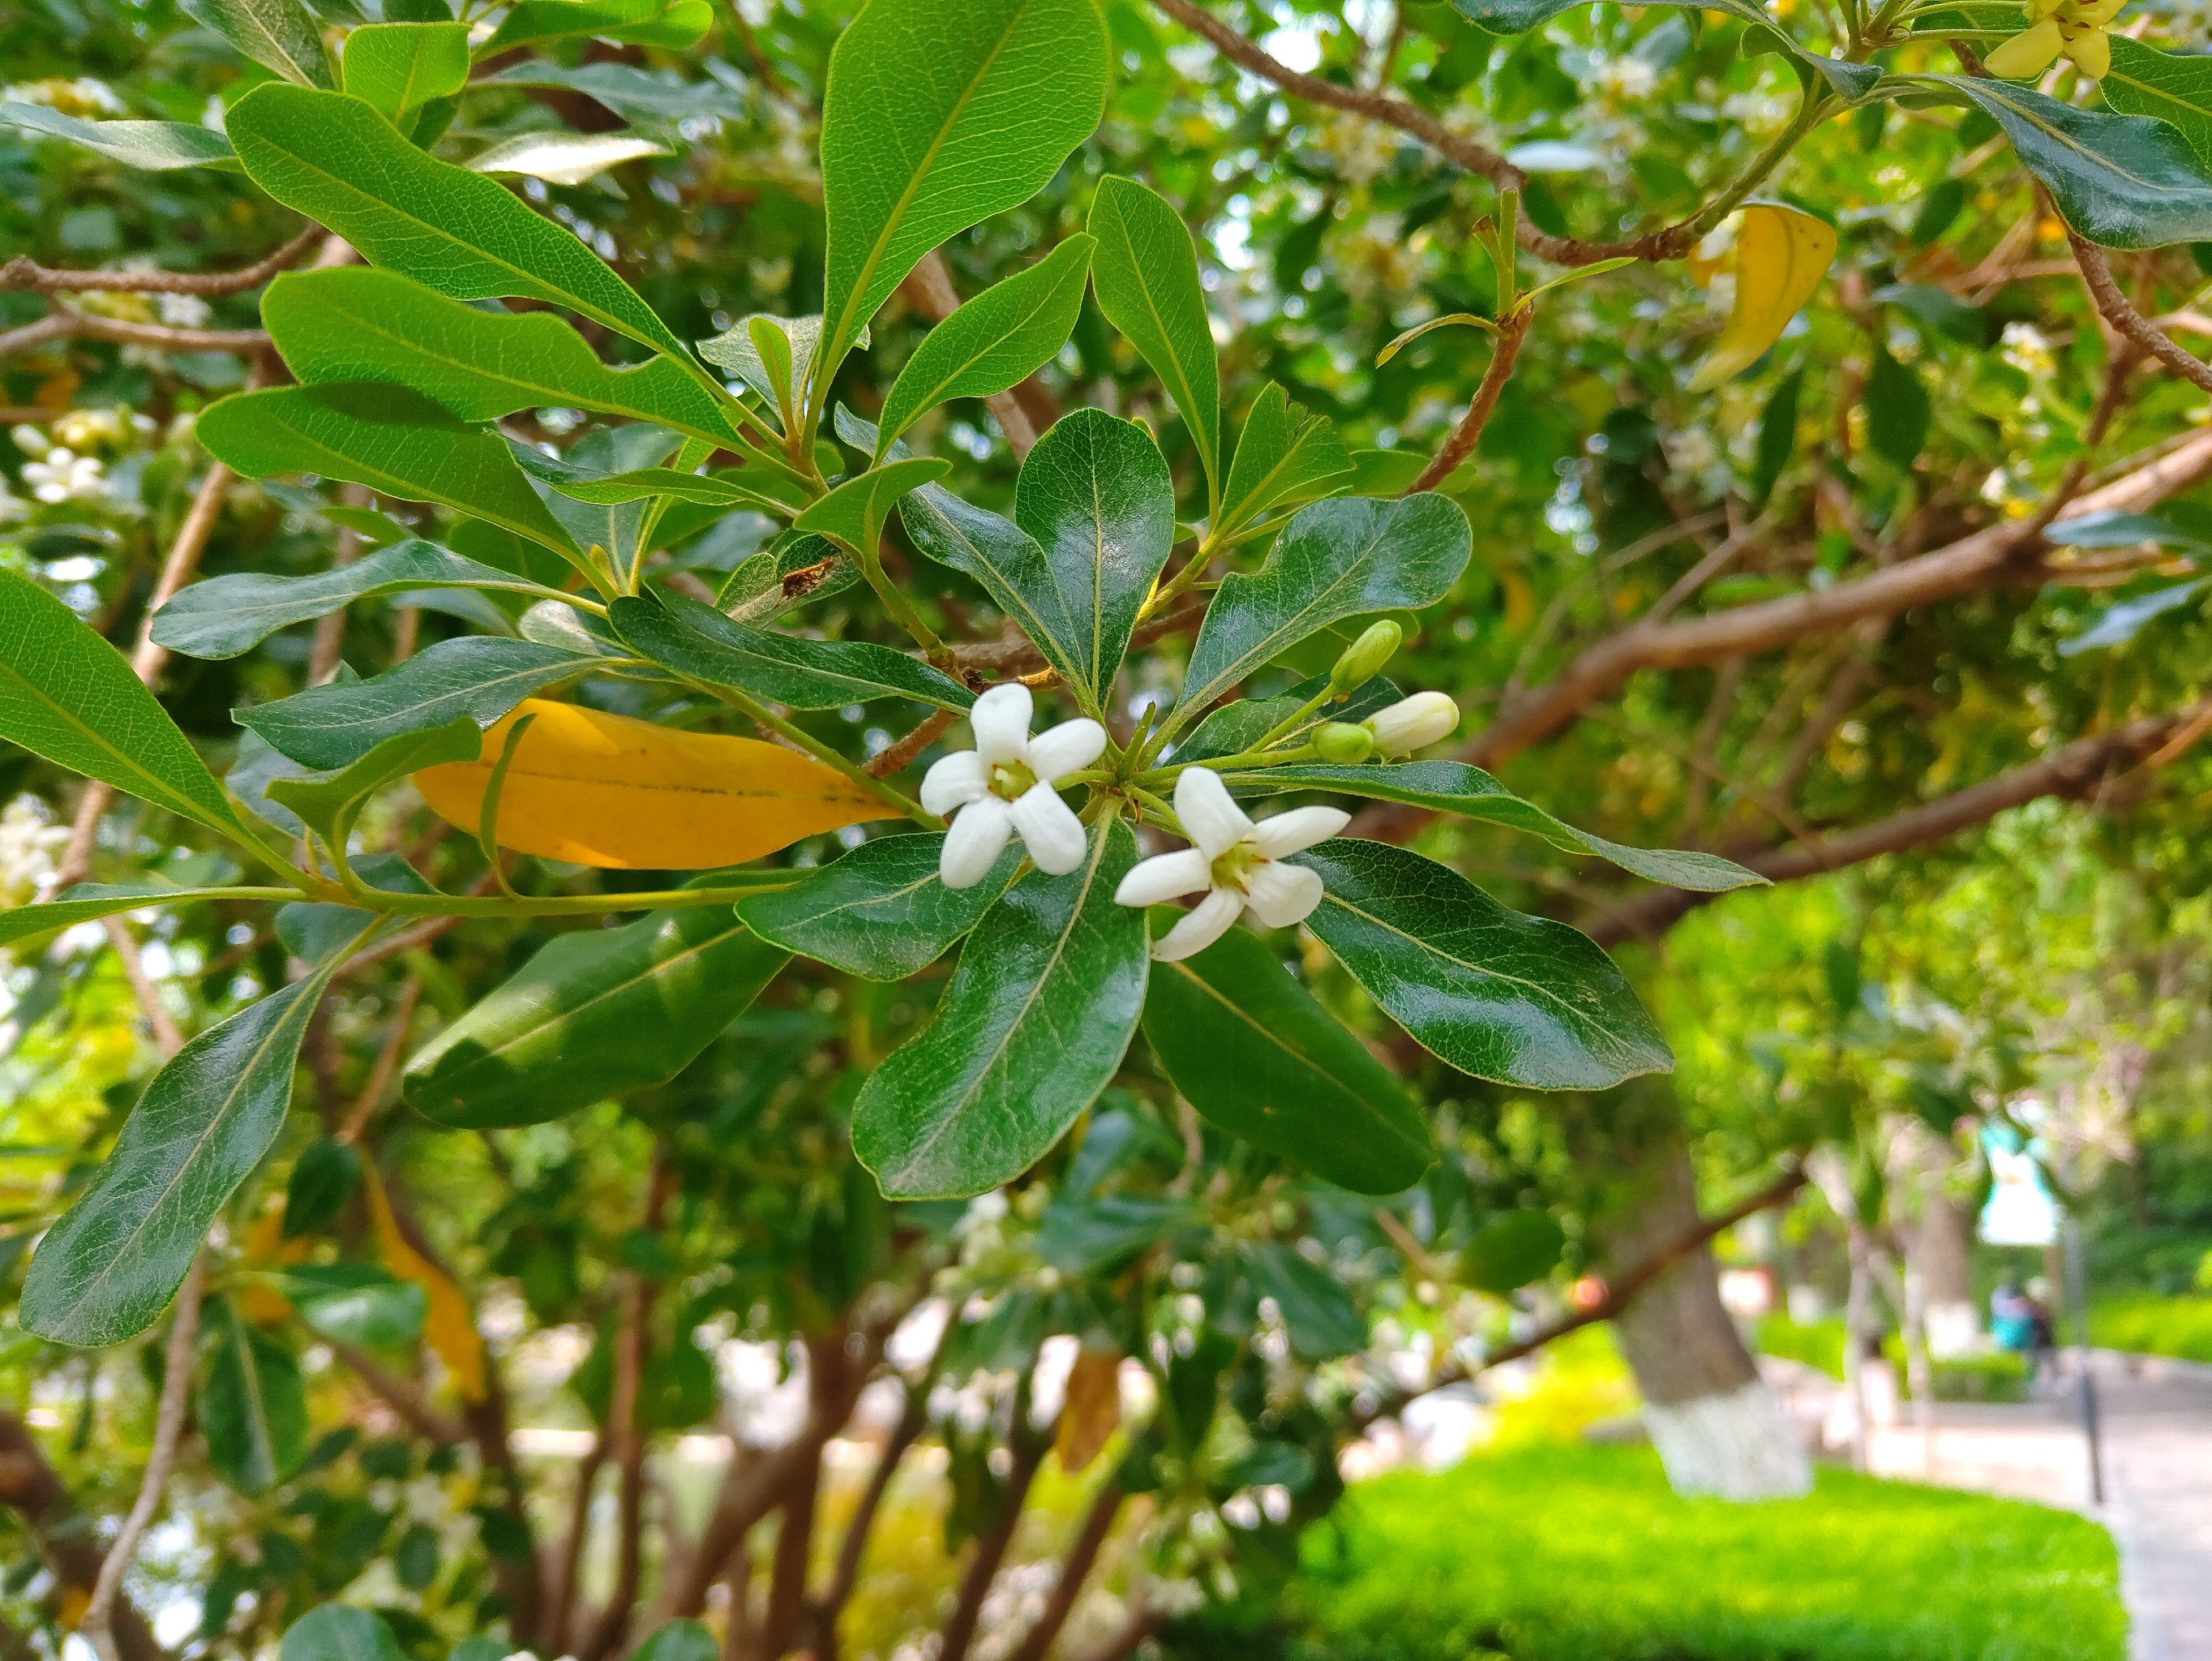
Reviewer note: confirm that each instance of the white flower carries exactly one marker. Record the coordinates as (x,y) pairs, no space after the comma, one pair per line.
(1412,723)
(61,476)
(1238,864)
(1004,785)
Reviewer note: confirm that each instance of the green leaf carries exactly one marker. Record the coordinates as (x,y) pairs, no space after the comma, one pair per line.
(601,454)
(1519,17)
(879,911)
(1502,996)
(2117,624)
(1898,411)
(2116,530)
(1513,1247)
(792,341)
(1032,1027)
(477,676)
(336,160)
(564,158)
(154,146)
(324,1177)
(1453,786)
(389,438)
(593,1015)
(88,902)
(399,67)
(1146,277)
(69,696)
(794,568)
(854,512)
(936,117)
(357,323)
(678,1640)
(1347,557)
(357,1304)
(2124,180)
(109,1267)
(633,93)
(992,341)
(227,616)
(2176,90)
(1317,1311)
(675,24)
(1237,726)
(1284,456)
(339,1632)
(280,35)
(700,644)
(715,489)
(252,1403)
(329,802)
(1777,432)
(1252,1050)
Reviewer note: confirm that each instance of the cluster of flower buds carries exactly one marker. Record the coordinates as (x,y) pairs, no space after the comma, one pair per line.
(2074,28)
(1398,729)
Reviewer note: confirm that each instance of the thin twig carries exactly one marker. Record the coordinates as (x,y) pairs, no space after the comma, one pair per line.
(2116,308)
(387,1062)
(1513,329)
(24,272)
(65,322)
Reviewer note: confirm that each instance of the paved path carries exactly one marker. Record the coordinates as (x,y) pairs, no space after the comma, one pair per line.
(2157,1422)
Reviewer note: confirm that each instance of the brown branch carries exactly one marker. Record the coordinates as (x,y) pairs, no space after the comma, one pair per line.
(1512,330)
(23,272)
(895,758)
(67,323)
(158,1017)
(1025,411)
(786,1575)
(1028,1447)
(30,1487)
(399,1395)
(1074,1570)
(2096,277)
(913,1419)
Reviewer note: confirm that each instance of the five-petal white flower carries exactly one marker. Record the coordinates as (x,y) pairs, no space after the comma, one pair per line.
(1237,863)
(1005,784)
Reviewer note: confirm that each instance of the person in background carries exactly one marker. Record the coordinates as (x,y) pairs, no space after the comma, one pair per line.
(2042,1326)
(2012,1322)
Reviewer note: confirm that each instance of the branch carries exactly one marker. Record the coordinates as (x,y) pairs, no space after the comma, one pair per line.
(2096,277)
(1074,1570)
(399,1395)
(1028,1446)
(23,272)
(1025,410)
(1512,330)
(30,1487)
(786,1576)
(65,322)
(914,1419)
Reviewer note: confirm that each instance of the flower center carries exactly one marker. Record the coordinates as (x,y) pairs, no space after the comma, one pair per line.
(1009,780)
(1233,869)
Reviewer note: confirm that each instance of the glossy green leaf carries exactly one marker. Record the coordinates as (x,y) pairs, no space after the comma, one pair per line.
(675,24)
(360,1304)
(357,323)
(715,489)
(2118,530)
(564,158)
(390,438)
(1284,456)
(324,1177)
(593,1013)
(1146,276)
(878,912)
(152,146)
(791,340)
(603,453)
(633,93)
(1348,557)
(2169,87)
(399,67)
(1511,1249)
(110,1266)
(993,341)
(935,116)
(88,902)
(1453,786)
(340,1632)
(1497,994)
(700,644)
(336,160)
(328,802)
(227,616)
(280,35)
(1316,1310)
(1096,498)
(477,676)
(1251,1049)
(1032,1027)
(69,696)
(252,1405)
(2127,181)
(854,514)
(1237,726)
(1898,411)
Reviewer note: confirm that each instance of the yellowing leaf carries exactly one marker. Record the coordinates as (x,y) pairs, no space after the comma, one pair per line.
(1093,1408)
(70,1606)
(1781,256)
(449,1327)
(605,790)
(264,1244)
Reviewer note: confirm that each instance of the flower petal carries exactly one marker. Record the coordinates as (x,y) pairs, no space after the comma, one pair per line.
(1292,832)
(973,845)
(1164,877)
(1199,926)
(1059,751)
(1049,827)
(1001,721)
(1280,894)
(1209,818)
(955,780)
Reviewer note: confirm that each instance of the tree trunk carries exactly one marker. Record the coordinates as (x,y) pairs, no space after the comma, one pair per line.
(1716,1427)
(1937,1241)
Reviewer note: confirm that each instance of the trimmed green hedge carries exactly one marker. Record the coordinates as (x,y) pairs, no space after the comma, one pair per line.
(1581,1554)
(2151,1326)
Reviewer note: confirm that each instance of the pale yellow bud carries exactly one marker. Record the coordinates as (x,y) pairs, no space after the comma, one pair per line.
(1412,723)
(2091,51)
(2028,53)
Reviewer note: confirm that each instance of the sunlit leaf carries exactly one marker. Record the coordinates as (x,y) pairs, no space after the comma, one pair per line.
(1781,255)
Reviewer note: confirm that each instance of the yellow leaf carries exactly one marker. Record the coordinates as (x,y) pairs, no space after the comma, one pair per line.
(600,789)
(1093,1408)
(265,1243)
(449,1328)
(1781,256)
(73,1603)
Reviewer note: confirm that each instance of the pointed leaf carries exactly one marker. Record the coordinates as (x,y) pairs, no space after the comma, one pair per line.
(593,1013)
(111,1265)
(153,146)
(322,802)
(879,911)
(633,93)
(280,35)
(399,67)
(796,338)
(339,1632)
(252,1403)
(1517,16)
(2116,626)
(675,24)
(1348,557)
(1032,1027)
(356,1302)
(69,696)
(937,116)
(1146,277)
(336,160)
(1781,255)
(88,902)
(854,512)
(605,790)
(1453,786)
(993,340)
(1898,411)
(2173,88)
(1284,456)
(700,644)
(1252,1050)
(1316,1310)
(564,158)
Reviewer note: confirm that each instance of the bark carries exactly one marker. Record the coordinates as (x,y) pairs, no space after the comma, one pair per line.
(1028,1447)
(66,1539)
(1074,1570)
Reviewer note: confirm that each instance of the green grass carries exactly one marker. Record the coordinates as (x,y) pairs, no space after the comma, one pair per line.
(1581,1554)
(2152,1325)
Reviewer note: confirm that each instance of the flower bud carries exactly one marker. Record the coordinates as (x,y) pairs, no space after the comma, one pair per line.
(1412,723)
(1342,742)
(1364,658)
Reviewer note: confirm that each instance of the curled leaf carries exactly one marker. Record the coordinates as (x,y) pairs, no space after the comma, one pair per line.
(600,789)
(1781,255)
(1093,1408)
(1449,320)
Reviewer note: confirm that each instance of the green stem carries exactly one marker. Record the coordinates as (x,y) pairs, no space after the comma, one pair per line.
(1158,807)
(572,905)
(871,567)
(823,753)
(1238,764)
(1809,116)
